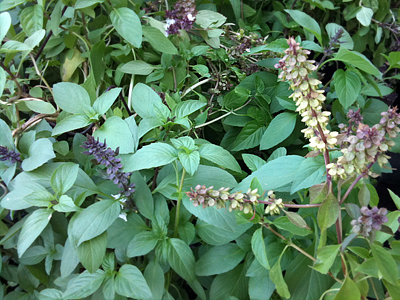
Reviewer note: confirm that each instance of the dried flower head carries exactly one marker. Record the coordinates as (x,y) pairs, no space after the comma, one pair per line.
(370,220)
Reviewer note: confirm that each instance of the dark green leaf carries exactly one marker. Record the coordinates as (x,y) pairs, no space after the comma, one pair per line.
(258,247)
(91,253)
(236,98)
(230,285)
(219,259)
(181,259)
(154,276)
(84,285)
(142,244)
(311,172)
(94,220)
(278,130)
(386,263)
(249,137)
(348,86)
(253,162)
(32,19)
(158,40)
(358,60)
(137,67)
(130,282)
(215,235)
(306,22)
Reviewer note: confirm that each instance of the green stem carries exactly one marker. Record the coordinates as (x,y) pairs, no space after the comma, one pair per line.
(178,205)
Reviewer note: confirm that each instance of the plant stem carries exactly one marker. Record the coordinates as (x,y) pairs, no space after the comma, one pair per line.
(291,244)
(40,74)
(195,86)
(178,205)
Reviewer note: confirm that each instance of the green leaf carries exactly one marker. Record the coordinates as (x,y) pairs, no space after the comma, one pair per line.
(258,247)
(311,172)
(358,60)
(71,123)
(219,156)
(69,259)
(84,285)
(261,288)
(5,23)
(209,18)
(40,107)
(137,67)
(32,19)
(130,282)
(386,263)
(306,22)
(50,294)
(79,4)
(215,235)
(278,130)
(185,108)
(143,197)
(349,290)
(32,228)
(127,24)
(219,259)
(17,198)
(395,198)
(116,133)
(276,277)
(187,232)
(64,177)
(236,98)
(347,86)
(296,219)
(94,220)
(14,47)
(274,174)
(6,138)
(3,80)
(393,59)
(104,102)
(181,259)
(33,40)
(190,161)
(71,97)
(40,198)
(328,212)
(120,233)
(91,253)
(39,153)
(142,244)
(158,40)
(345,40)
(253,162)
(249,137)
(8,4)
(154,276)
(394,290)
(33,255)
(325,258)
(364,16)
(143,100)
(150,156)
(285,223)
(231,285)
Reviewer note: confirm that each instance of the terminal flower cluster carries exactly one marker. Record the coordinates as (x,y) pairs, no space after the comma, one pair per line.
(207,196)
(370,220)
(363,145)
(296,69)
(182,17)
(12,156)
(108,157)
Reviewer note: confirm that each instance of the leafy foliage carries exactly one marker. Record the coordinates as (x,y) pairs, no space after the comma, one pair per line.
(140,142)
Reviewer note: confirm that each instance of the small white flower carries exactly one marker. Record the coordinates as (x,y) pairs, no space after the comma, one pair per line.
(190,17)
(247,50)
(123,217)
(116,197)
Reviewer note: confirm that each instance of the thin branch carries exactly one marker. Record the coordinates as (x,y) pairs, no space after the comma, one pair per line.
(32,122)
(195,86)
(40,74)
(13,78)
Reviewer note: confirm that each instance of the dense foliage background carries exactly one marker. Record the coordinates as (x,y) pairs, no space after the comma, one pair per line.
(140,142)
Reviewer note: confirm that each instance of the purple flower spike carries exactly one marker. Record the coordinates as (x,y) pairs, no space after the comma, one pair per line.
(10,155)
(107,157)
